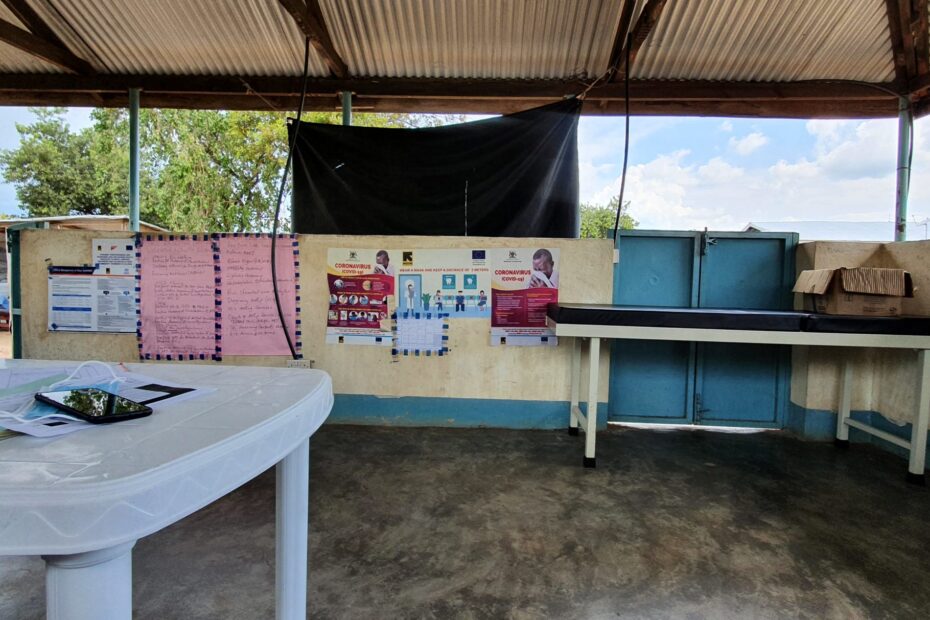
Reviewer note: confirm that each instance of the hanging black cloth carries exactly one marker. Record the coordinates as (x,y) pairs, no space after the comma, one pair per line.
(509,176)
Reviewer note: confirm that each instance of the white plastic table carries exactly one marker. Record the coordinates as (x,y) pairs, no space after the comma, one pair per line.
(82,500)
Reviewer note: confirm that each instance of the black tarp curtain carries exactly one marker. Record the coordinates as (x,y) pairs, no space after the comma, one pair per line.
(509,176)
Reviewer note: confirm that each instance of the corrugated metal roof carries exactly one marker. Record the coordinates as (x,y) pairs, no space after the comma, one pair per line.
(16,61)
(13,60)
(186,37)
(476,39)
(769,40)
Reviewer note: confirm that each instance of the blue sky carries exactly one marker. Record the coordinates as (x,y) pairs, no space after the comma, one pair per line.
(688,173)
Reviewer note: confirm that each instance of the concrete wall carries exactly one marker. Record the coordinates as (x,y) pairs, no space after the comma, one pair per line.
(883,381)
(473,370)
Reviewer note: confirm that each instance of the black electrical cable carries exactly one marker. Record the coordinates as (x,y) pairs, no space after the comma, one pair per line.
(626,132)
(277,209)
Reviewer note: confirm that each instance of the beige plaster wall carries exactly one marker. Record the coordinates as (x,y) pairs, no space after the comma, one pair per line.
(474,369)
(883,380)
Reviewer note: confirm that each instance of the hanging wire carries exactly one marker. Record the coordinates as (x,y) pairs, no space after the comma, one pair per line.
(626,132)
(277,209)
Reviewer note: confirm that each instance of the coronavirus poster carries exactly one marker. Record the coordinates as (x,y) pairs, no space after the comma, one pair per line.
(361,296)
(523,282)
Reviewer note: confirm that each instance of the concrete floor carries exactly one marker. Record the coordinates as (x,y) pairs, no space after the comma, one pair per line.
(440,523)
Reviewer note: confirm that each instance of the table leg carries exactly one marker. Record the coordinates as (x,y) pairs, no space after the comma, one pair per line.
(576,385)
(915,467)
(842,413)
(292,493)
(590,432)
(96,585)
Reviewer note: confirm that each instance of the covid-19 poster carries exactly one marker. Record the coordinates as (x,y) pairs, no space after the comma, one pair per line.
(361,289)
(523,282)
(510,288)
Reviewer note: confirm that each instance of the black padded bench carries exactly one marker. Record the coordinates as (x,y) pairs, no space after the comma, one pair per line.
(594,322)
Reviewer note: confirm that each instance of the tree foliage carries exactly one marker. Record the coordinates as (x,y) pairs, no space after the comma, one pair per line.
(597,220)
(199,170)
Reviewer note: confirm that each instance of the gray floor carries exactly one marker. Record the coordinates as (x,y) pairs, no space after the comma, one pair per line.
(436,523)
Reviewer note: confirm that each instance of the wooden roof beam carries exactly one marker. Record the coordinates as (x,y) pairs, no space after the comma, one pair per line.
(623,27)
(42,49)
(641,31)
(31,20)
(921,36)
(897,26)
(309,18)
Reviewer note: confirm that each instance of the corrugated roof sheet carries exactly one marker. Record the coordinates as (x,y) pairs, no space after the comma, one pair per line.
(475,39)
(769,40)
(16,61)
(185,37)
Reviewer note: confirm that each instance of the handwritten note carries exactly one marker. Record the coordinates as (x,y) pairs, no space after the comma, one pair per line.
(250,323)
(177,298)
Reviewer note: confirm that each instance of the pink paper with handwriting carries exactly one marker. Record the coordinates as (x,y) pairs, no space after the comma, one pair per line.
(177,298)
(251,325)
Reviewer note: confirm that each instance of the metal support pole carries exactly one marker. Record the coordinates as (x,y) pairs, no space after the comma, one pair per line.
(346,107)
(905,131)
(134,159)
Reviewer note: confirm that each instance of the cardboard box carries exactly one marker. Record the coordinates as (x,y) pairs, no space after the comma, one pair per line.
(860,291)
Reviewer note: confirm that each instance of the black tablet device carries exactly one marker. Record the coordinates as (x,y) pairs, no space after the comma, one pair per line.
(95,406)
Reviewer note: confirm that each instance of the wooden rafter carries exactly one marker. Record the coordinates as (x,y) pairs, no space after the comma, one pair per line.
(42,49)
(896,29)
(31,20)
(792,100)
(309,18)
(641,31)
(623,27)
(921,36)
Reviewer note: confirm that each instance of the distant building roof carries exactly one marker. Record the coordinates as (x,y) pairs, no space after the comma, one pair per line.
(88,222)
(842,231)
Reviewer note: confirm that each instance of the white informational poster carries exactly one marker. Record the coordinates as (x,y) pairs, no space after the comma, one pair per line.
(79,301)
(116,257)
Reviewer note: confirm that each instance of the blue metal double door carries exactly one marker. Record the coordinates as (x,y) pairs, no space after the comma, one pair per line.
(702,383)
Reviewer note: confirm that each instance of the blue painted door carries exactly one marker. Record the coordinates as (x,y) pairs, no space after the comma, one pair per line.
(744,384)
(718,384)
(653,381)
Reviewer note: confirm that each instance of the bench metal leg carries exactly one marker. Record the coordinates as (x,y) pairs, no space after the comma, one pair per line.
(915,468)
(576,386)
(590,431)
(842,413)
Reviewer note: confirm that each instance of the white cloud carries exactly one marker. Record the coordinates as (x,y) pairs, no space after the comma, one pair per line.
(846,174)
(726,126)
(746,145)
(719,171)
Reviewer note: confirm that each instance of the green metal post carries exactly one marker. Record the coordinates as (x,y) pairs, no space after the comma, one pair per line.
(346,107)
(13,235)
(905,131)
(134,159)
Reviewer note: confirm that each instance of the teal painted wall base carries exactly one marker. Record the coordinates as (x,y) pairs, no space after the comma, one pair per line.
(820,425)
(454,412)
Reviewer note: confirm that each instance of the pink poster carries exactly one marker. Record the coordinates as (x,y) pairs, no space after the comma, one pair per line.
(250,321)
(524,281)
(177,298)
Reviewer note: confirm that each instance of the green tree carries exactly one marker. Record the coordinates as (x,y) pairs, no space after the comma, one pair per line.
(597,220)
(57,171)
(199,170)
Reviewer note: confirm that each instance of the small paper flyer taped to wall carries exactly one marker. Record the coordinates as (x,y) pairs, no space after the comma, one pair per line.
(523,282)
(361,286)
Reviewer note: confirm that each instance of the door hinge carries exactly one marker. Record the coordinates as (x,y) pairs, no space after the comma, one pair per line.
(699,409)
(706,240)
